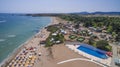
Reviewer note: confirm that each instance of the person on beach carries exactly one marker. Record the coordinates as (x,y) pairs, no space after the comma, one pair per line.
(38,59)
(39,54)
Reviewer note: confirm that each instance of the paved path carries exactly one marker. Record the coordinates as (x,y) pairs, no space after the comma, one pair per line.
(80,59)
(114,50)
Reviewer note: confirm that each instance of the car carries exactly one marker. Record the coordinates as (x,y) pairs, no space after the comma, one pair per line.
(117,61)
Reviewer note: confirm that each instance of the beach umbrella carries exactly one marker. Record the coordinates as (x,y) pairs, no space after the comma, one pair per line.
(26,65)
(30,56)
(17,57)
(19,64)
(10,64)
(22,65)
(31,64)
(17,61)
(13,60)
(23,62)
(15,65)
(27,62)
(25,59)
(33,60)
(34,57)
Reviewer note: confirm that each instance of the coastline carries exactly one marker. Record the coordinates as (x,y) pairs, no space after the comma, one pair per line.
(45,59)
(17,50)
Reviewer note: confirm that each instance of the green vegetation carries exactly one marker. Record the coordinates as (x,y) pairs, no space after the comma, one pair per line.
(110,29)
(112,24)
(84,33)
(118,37)
(48,42)
(80,39)
(54,39)
(102,44)
(72,36)
(59,37)
(91,41)
(51,40)
(52,29)
(94,36)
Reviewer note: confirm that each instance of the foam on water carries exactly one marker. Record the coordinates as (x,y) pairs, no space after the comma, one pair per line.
(2,21)
(1,40)
(11,35)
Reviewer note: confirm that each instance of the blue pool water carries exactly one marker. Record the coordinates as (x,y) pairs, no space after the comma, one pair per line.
(92,51)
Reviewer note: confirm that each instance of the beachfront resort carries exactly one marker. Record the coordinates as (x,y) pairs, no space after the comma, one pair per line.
(59,33)
(65,44)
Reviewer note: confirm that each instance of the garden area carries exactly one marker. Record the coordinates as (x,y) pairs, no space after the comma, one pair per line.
(55,36)
(52,40)
(74,37)
(80,39)
(101,44)
(52,28)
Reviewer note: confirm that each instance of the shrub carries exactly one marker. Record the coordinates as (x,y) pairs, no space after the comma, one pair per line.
(72,36)
(103,44)
(52,29)
(80,39)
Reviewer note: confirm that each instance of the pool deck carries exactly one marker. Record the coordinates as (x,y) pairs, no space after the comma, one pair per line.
(105,62)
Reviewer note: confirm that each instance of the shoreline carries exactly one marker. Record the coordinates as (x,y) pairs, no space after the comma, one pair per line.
(45,59)
(17,50)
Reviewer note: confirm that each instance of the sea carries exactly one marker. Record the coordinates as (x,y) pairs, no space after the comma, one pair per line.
(16,30)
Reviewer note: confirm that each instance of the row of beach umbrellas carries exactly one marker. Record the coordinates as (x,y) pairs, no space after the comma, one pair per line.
(26,58)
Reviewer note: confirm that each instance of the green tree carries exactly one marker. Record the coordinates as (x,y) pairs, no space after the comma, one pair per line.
(48,43)
(114,34)
(91,41)
(110,29)
(118,37)
(103,44)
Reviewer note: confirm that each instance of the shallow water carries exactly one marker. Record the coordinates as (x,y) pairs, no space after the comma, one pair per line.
(16,30)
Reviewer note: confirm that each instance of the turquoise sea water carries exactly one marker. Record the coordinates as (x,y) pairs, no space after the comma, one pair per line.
(15,30)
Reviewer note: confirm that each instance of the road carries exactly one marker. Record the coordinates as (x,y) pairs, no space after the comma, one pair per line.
(114,50)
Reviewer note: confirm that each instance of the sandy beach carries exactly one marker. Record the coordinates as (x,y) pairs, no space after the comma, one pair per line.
(34,54)
(60,53)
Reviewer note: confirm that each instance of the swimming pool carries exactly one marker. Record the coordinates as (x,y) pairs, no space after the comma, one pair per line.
(93,51)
